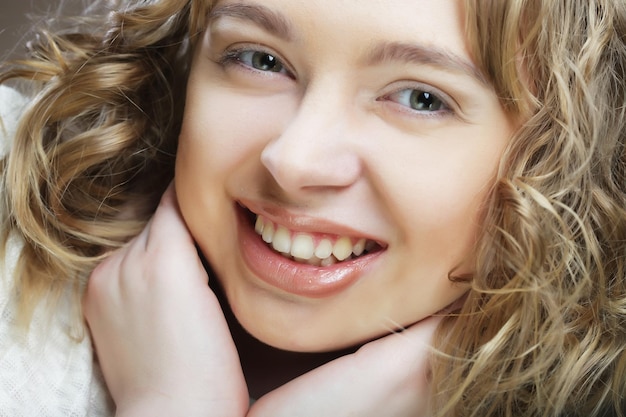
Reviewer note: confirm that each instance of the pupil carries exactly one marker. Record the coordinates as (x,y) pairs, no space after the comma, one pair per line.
(265,62)
(421,100)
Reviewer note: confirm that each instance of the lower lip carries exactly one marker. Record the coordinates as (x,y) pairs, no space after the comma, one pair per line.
(293,277)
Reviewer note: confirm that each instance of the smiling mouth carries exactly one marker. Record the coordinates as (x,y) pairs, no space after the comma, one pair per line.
(312,249)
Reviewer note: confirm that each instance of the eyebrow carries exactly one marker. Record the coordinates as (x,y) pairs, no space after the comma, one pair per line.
(269,20)
(424,55)
(276,24)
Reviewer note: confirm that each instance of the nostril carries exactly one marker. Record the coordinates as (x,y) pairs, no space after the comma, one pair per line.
(275,162)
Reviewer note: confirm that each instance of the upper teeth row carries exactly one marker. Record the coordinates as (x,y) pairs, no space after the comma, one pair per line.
(304,247)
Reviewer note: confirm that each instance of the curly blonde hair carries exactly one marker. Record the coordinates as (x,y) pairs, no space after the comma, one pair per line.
(543,329)
(95,149)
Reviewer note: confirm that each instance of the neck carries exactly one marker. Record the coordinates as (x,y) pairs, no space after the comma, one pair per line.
(265,367)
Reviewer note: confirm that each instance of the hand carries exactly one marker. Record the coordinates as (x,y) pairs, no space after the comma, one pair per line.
(159,332)
(386,377)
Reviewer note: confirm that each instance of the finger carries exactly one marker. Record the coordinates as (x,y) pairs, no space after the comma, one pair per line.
(415,338)
(391,373)
(109,281)
(102,285)
(167,224)
(165,248)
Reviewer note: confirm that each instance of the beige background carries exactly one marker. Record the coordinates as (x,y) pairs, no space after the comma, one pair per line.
(14,23)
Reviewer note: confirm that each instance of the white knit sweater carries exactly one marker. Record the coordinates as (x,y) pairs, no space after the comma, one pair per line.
(43,371)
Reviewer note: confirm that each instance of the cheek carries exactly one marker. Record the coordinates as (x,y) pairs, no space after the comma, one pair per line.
(439,202)
(226,126)
(435,193)
(210,135)
(445,232)
(219,148)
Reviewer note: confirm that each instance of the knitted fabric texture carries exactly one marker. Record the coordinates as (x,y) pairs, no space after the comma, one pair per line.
(46,370)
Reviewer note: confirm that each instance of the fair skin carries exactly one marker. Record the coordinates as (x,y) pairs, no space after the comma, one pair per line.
(325,144)
(173,354)
(335,124)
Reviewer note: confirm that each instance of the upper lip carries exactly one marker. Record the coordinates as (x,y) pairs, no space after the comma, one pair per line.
(304,223)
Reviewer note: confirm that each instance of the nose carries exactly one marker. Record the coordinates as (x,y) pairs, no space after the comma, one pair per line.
(316,149)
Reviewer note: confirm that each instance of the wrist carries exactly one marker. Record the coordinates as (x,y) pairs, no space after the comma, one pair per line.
(160,405)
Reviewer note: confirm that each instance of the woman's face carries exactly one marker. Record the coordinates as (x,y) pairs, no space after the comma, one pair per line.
(360,140)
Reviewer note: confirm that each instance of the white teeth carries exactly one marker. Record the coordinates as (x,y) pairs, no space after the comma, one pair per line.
(282,240)
(342,248)
(268,232)
(311,261)
(302,247)
(324,249)
(258,226)
(359,248)
(328,261)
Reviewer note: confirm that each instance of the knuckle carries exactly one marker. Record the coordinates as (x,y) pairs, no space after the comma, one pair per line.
(96,279)
(99,285)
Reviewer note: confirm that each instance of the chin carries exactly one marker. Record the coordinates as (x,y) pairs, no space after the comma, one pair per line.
(290,333)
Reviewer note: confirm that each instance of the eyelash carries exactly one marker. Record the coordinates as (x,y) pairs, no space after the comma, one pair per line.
(235,56)
(436,99)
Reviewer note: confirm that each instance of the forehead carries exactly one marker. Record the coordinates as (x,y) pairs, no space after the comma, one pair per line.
(393,30)
(429,21)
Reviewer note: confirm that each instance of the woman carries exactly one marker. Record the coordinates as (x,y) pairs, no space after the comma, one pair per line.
(474,175)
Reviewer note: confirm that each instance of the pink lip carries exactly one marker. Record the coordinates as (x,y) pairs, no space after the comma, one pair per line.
(306,224)
(293,277)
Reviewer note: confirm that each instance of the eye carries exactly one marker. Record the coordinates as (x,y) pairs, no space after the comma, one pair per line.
(418,100)
(258,60)
(261,61)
